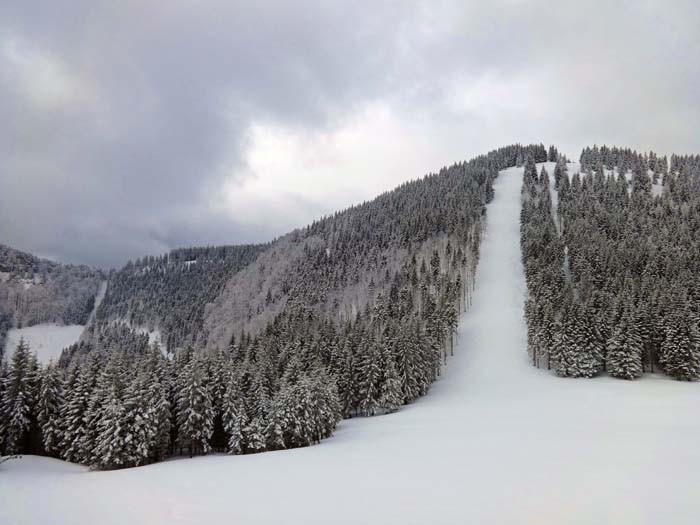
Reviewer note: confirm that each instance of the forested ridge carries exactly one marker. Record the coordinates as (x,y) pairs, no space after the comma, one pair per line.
(170,292)
(361,319)
(618,289)
(35,291)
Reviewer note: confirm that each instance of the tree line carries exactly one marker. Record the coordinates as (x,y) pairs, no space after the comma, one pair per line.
(171,291)
(616,288)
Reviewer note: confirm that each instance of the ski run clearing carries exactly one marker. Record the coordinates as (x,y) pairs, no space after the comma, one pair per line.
(495,441)
(46,340)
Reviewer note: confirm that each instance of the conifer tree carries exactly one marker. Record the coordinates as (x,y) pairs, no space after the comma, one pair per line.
(4,372)
(18,400)
(390,397)
(680,351)
(161,415)
(111,448)
(624,349)
(369,375)
(49,404)
(254,435)
(195,413)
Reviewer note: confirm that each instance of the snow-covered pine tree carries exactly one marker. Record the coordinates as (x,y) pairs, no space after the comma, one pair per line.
(278,417)
(624,349)
(79,387)
(3,384)
(589,361)
(110,449)
(321,394)
(530,171)
(409,366)
(234,417)
(564,351)
(106,400)
(390,396)
(18,400)
(49,403)
(195,413)
(369,374)
(259,395)
(679,355)
(110,433)
(160,414)
(254,435)
(141,418)
(343,368)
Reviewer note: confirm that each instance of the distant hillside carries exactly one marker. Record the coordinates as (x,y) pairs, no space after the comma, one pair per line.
(169,293)
(35,291)
(337,266)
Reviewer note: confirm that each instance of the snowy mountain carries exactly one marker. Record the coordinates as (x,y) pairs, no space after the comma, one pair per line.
(495,441)
(353,315)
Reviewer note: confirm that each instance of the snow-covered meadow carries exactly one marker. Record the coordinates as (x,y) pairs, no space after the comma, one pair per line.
(495,441)
(46,340)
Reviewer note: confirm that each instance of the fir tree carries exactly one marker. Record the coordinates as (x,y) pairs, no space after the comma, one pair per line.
(234,416)
(49,403)
(680,351)
(195,413)
(254,435)
(18,400)
(624,349)
(390,397)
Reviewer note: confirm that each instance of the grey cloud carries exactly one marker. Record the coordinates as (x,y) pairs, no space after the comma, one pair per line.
(126,163)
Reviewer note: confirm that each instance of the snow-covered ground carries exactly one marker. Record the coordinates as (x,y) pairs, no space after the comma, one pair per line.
(46,340)
(495,441)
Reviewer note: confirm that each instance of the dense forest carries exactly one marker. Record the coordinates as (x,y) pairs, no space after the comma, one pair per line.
(35,291)
(613,270)
(170,292)
(358,319)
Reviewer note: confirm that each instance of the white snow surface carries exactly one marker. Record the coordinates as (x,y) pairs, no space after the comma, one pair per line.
(46,340)
(495,441)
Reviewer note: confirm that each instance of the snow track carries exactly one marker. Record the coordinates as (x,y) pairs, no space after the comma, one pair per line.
(496,441)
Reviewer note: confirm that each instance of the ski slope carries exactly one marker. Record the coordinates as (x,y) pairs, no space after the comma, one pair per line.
(495,441)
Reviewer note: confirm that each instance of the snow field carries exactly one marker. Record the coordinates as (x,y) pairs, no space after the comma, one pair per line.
(46,340)
(495,441)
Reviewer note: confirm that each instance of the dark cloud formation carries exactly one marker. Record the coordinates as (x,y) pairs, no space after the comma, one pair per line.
(130,128)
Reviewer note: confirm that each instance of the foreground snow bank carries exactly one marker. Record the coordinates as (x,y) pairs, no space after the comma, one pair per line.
(496,441)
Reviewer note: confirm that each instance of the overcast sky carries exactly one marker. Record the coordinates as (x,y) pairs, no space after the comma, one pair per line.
(132,127)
